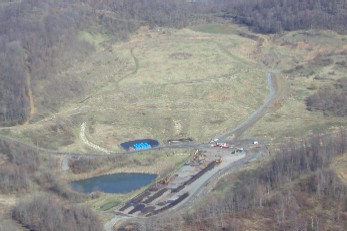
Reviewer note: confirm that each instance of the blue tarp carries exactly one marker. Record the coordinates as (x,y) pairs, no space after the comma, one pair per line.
(143,145)
(139,144)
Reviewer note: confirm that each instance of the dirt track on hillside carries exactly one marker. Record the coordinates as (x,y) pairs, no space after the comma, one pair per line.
(277,92)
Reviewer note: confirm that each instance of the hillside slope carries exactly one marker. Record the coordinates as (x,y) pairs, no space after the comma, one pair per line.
(39,39)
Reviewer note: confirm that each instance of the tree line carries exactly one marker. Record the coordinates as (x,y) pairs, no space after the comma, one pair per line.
(20,164)
(25,171)
(332,100)
(33,37)
(46,212)
(273,16)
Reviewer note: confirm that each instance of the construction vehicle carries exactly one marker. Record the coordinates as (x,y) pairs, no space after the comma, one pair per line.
(219,160)
(221,145)
(217,143)
(214,142)
(224,145)
(177,141)
(165,180)
(198,156)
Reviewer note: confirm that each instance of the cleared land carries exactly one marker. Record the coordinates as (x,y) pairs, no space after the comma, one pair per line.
(179,188)
(194,82)
(185,182)
(163,85)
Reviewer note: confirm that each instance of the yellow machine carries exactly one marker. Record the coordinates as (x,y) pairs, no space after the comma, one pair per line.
(219,160)
(165,180)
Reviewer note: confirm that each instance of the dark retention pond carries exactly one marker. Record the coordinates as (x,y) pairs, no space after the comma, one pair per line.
(114,183)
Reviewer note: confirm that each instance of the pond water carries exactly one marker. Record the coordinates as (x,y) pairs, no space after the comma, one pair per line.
(114,183)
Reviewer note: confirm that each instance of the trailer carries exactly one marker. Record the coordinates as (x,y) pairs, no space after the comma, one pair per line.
(221,145)
(182,140)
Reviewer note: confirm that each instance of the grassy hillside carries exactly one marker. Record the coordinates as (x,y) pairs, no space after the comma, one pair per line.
(194,82)
(309,61)
(160,84)
(38,39)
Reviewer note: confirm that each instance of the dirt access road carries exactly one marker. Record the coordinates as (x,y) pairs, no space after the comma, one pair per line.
(276,91)
(230,164)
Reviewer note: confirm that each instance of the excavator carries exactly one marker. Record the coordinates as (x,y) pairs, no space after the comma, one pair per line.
(219,160)
(165,180)
(198,156)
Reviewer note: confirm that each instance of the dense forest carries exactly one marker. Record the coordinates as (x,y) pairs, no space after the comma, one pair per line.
(25,171)
(272,16)
(332,100)
(33,34)
(21,164)
(54,215)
